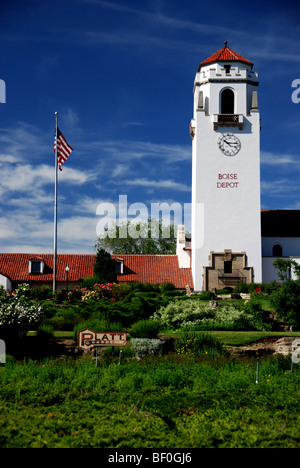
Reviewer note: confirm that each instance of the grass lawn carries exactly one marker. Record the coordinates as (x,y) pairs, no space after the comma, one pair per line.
(228,338)
(239,338)
(51,396)
(160,402)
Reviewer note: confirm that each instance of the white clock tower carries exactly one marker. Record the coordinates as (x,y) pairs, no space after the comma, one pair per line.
(225,129)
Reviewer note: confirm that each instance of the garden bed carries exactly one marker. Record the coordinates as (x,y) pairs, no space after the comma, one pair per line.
(258,343)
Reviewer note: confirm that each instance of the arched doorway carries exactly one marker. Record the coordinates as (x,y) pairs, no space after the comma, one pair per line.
(277,250)
(227,101)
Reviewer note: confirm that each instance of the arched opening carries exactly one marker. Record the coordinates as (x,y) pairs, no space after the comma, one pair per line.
(277,250)
(227,101)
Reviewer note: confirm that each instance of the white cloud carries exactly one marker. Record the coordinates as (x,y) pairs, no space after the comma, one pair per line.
(282,187)
(130,150)
(158,184)
(78,228)
(77,234)
(275,159)
(132,124)
(26,227)
(8,158)
(29,232)
(26,177)
(120,170)
(27,185)
(88,205)
(23,140)
(40,201)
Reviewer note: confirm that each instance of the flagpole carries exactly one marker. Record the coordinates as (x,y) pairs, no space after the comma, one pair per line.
(55,207)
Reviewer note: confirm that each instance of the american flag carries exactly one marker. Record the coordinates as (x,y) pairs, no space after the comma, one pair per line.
(63,149)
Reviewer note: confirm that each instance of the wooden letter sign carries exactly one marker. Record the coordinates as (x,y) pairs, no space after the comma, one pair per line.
(89,339)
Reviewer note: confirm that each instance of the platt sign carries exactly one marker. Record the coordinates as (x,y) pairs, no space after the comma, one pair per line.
(89,339)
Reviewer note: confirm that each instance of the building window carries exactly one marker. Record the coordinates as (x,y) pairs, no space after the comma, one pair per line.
(277,250)
(36,266)
(119,265)
(227,101)
(227,69)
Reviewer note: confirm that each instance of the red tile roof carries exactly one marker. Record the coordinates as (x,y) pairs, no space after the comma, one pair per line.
(225,55)
(16,266)
(156,269)
(143,268)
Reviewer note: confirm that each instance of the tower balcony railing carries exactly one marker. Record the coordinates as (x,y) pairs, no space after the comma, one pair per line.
(231,279)
(228,120)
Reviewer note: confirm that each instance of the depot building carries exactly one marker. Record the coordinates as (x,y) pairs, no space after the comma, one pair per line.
(232,240)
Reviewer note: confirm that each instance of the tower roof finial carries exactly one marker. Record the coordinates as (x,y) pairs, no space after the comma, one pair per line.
(225,55)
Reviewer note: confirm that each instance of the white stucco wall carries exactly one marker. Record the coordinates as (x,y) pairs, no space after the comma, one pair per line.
(269,273)
(290,246)
(184,256)
(5,282)
(225,218)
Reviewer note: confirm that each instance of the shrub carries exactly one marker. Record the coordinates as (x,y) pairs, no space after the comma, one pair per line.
(199,343)
(145,329)
(286,302)
(74,295)
(174,293)
(17,312)
(167,287)
(232,317)
(64,319)
(98,291)
(257,317)
(177,312)
(44,332)
(241,288)
(271,287)
(206,296)
(42,292)
(191,314)
(145,347)
(97,326)
(60,296)
(88,282)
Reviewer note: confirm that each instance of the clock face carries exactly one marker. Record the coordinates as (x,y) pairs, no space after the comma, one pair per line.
(229,144)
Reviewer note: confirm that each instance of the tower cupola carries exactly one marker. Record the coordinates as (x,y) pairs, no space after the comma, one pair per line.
(225,129)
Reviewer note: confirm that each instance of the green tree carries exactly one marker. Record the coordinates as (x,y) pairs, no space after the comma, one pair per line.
(104,268)
(286,267)
(150,237)
(286,299)
(286,302)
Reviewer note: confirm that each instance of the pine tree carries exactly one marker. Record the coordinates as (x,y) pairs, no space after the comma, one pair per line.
(104,268)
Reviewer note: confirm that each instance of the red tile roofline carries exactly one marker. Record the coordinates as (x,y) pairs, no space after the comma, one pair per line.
(225,55)
(141,268)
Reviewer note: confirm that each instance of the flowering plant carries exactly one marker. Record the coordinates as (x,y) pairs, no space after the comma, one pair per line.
(99,291)
(257,292)
(17,312)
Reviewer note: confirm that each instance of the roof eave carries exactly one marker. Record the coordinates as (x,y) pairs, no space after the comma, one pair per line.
(204,64)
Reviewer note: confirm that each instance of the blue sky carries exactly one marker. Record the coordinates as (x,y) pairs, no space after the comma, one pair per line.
(120,74)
